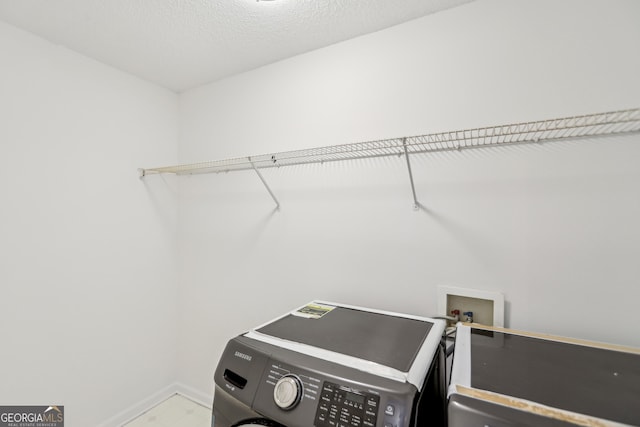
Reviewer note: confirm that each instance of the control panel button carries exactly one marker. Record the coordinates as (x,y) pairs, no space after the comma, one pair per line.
(343,406)
(389,410)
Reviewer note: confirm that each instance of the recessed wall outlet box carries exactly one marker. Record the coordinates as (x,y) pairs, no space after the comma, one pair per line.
(487,306)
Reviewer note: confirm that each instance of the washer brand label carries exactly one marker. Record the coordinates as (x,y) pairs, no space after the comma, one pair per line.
(243,356)
(32,416)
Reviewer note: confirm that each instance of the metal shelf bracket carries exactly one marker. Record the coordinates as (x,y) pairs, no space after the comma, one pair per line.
(265,183)
(416,205)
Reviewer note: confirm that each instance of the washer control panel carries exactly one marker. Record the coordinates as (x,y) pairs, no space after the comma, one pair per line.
(342,406)
(293,389)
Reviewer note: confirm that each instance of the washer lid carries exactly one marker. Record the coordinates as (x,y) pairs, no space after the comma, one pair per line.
(388,344)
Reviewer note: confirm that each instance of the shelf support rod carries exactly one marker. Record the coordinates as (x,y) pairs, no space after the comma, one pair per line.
(416,205)
(265,184)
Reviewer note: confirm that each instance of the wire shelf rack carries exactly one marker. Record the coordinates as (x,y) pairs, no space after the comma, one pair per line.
(614,122)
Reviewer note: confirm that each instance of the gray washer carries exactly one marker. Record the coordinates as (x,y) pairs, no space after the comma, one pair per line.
(312,353)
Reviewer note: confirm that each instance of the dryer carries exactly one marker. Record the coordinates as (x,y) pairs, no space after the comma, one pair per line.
(504,378)
(334,365)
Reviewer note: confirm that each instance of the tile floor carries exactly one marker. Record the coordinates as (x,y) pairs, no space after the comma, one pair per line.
(176,411)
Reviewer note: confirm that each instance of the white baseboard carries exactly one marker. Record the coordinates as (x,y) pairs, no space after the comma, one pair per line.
(204,399)
(158,397)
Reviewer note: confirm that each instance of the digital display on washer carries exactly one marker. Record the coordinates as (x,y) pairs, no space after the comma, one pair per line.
(356,398)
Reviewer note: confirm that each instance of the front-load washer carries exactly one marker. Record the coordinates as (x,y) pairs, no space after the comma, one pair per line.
(505,378)
(334,365)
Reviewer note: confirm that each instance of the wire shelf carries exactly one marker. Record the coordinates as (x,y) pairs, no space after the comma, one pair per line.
(615,122)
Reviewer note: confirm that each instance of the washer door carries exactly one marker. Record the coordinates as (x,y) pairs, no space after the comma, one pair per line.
(257,422)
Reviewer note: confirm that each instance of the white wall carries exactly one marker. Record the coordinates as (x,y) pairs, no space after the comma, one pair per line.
(554,227)
(87,250)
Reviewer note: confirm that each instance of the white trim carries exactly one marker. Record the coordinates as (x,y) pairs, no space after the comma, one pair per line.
(331,356)
(139,408)
(201,398)
(134,411)
(461,370)
(417,372)
(420,366)
(498,300)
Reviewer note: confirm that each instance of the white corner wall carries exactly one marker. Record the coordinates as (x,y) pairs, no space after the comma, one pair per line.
(87,270)
(554,227)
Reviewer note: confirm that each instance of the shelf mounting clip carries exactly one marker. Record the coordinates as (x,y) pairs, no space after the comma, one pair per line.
(265,183)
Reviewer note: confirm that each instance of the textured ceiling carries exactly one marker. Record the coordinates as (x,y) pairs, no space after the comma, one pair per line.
(180,44)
